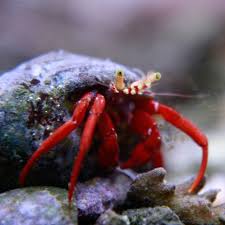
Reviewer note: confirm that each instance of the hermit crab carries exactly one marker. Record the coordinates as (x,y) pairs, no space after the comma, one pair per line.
(101,109)
(107,96)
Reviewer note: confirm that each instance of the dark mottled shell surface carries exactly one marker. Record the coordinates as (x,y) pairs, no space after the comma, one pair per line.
(36,98)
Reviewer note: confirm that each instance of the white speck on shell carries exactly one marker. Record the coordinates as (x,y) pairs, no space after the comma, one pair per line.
(36,70)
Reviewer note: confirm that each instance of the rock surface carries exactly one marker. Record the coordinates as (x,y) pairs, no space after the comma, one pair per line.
(94,197)
(36,205)
(151,189)
(150,200)
(142,216)
(111,218)
(152,216)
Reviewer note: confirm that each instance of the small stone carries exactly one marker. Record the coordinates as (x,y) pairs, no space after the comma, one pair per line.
(36,205)
(100,194)
(151,189)
(219,212)
(111,218)
(152,216)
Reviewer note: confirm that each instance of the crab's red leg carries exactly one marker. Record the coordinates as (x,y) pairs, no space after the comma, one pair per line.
(157,158)
(85,141)
(59,134)
(108,153)
(143,124)
(190,129)
(187,127)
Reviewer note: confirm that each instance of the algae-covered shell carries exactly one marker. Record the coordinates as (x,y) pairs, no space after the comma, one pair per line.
(37,97)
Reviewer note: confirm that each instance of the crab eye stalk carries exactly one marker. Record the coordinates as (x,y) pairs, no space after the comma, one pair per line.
(120,73)
(157,76)
(119,80)
(153,77)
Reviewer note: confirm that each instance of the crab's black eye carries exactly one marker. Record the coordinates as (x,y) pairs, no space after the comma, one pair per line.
(120,73)
(157,76)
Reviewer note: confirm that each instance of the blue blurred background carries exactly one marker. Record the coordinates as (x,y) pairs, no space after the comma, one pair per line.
(184,40)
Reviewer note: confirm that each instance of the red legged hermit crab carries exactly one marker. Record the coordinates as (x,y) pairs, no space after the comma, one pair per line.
(100,109)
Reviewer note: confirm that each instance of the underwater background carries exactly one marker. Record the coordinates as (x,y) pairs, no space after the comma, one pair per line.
(183,40)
